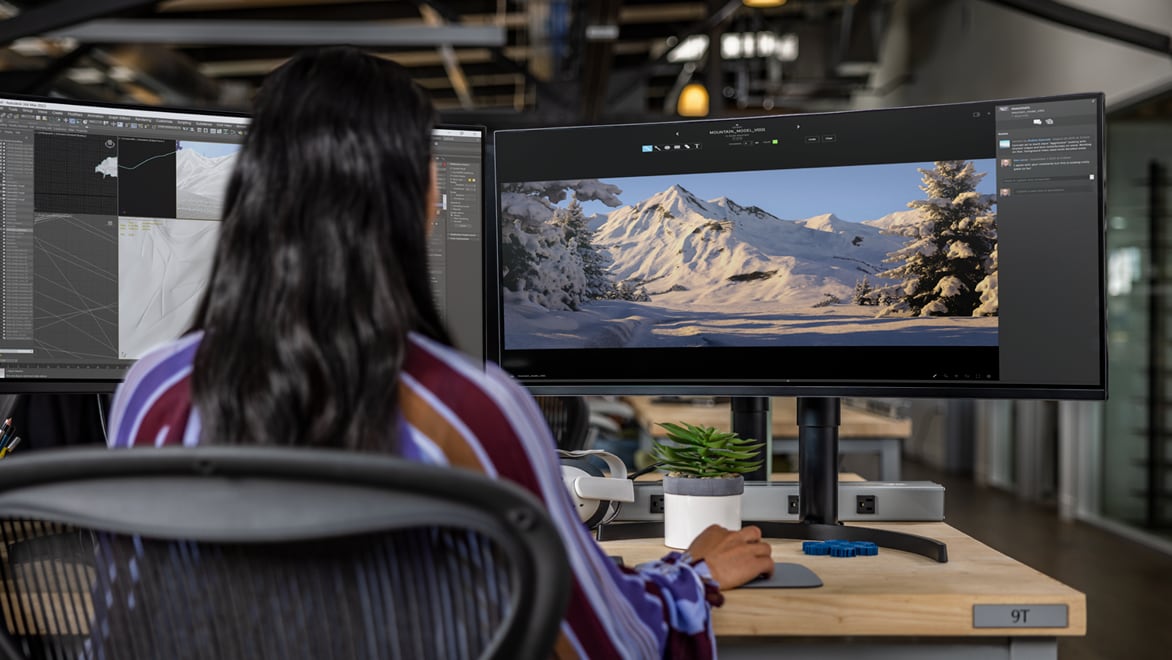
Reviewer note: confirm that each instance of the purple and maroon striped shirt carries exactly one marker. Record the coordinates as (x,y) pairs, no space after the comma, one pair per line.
(455,413)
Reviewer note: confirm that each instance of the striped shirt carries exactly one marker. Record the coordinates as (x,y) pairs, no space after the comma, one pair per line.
(453,412)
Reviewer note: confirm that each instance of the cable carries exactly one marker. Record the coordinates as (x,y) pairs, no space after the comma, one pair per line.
(102,419)
(649,468)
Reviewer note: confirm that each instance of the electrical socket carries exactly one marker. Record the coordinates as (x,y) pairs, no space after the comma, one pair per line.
(657,504)
(865,504)
(793,505)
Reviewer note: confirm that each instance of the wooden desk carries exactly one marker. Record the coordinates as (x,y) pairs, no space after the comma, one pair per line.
(859,431)
(894,605)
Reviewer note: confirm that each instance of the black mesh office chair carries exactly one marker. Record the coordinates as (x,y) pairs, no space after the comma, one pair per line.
(569,419)
(259,552)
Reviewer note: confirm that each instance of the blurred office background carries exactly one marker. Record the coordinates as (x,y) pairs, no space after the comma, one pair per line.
(1104,466)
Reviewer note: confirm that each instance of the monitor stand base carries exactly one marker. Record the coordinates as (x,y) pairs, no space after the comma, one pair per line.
(920,545)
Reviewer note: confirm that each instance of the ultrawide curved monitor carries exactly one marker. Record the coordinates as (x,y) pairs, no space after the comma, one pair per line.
(949,250)
(110,217)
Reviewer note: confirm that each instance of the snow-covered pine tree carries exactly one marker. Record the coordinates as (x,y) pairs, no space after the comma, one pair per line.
(590,259)
(863,290)
(950,249)
(990,305)
(628,290)
(522,218)
(545,248)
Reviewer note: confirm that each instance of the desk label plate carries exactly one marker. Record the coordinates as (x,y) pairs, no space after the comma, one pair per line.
(1020,616)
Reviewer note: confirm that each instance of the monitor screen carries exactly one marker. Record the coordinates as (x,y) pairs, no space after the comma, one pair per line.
(925,251)
(456,241)
(110,217)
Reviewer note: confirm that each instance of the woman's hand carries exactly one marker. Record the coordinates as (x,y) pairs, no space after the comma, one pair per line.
(733,558)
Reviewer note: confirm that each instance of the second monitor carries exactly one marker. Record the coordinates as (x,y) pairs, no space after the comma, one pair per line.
(928,251)
(111,215)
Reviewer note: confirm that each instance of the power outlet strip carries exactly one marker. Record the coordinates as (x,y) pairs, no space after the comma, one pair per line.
(891,501)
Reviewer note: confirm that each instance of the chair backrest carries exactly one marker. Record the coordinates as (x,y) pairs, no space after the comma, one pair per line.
(261,552)
(569,419)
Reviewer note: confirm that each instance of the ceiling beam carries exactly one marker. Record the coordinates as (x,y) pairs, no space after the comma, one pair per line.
(42,80)
(1064,14)
(500,55)
(663,13)
(215,5)
(279,33)
(61,13)
(483,101)
(637,14)
(483,80)
(451,63)
(715,18)
(258,67)
(600,31)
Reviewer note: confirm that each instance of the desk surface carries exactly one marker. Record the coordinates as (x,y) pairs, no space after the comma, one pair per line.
(894,593)
(853,423)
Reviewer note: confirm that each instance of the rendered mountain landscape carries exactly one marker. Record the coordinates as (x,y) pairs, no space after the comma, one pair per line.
(715,253)
(678,270)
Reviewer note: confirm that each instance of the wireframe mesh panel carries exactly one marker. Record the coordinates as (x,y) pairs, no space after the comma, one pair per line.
(421,593)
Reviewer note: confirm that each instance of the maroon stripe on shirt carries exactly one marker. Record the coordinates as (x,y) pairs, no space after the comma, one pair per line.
(592,636)
(496,434)
(170,411)
(478,412)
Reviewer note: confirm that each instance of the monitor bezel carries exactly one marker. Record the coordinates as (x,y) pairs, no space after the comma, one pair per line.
(809,388)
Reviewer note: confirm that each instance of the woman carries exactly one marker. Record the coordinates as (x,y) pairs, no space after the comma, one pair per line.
(318,329)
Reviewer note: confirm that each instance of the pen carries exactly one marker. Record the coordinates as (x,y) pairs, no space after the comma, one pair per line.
(6,432)
(8,449)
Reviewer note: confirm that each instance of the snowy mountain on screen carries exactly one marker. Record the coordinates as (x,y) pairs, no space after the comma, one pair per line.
(201,175)
(200,183)
(689,251)
(892,221)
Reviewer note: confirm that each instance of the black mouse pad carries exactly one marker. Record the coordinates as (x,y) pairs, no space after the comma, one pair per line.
(786,576)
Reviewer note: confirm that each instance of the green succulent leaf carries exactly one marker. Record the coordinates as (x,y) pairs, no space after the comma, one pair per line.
(705,452)
(732,454)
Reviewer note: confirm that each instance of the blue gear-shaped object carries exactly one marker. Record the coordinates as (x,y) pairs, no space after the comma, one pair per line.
(840,548)
(815,548)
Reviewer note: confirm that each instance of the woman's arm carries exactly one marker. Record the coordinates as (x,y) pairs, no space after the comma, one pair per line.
(668,601)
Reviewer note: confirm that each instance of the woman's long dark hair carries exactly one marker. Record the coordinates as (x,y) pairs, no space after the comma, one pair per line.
(321,268)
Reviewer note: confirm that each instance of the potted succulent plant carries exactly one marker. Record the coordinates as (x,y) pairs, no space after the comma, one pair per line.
(704,481)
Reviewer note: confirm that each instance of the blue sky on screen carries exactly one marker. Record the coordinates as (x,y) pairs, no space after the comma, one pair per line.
(210,149)
(854,193)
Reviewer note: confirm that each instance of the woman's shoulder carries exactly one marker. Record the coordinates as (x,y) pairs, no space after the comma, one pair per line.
(428,356)
(172,356)
(153,396)
(441,368)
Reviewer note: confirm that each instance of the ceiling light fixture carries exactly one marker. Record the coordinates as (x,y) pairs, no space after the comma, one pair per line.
(738,45)
(693,101)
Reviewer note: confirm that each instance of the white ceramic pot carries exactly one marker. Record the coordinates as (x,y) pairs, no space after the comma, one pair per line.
(690,505)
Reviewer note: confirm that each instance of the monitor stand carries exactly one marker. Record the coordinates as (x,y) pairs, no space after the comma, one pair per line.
(818,420)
